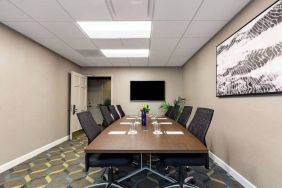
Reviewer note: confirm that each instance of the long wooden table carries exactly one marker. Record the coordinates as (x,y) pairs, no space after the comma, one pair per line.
(145,141)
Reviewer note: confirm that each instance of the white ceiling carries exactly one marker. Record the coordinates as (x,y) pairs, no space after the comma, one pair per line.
(179,27)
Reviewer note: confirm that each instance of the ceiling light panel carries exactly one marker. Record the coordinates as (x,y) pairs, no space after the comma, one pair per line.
(116,29)
(120,53)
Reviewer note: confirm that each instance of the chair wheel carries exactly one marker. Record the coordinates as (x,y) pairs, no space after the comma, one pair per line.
(190,180)
(116,171)
(187,169)
(193,181)
(167,170)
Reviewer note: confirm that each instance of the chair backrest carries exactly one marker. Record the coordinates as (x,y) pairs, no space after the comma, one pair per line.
(185,115)
(114,112)
(174,112)
(200,124)
(89,125)
(121,112)
(106,115)
(167,114)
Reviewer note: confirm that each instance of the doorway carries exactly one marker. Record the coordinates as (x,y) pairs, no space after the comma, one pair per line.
(99,93)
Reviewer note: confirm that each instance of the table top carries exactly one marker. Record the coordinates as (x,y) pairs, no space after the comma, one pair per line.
(145,141)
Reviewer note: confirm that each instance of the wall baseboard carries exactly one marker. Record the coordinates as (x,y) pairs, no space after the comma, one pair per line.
(243,181)
(15,162)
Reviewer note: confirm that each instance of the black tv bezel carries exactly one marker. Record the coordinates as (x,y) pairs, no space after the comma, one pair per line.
(145,100)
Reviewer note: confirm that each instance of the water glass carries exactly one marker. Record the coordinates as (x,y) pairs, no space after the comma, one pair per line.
(132,129)
(157,128)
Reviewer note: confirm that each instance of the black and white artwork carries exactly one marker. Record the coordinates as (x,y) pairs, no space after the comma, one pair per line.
(250,61)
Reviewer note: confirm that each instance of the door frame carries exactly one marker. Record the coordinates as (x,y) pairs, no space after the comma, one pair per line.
(99,76)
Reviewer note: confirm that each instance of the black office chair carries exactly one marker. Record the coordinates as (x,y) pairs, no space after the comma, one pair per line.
(198,127)
(167,114)
(185,115)
(174,112)
(92,130)
(89,125)
(114,112)
(108,119)
(121,112)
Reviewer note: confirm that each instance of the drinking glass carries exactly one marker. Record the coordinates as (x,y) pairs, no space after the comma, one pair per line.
(157,128)
(132,128)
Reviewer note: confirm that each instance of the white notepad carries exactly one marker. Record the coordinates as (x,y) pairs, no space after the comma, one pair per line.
(132,132)
(162,118)
(174,132)
(166,123)
(117,132)
(154,122)
(157,133)
(125,123)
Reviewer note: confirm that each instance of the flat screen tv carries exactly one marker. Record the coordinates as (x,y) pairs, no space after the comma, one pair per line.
(147,90)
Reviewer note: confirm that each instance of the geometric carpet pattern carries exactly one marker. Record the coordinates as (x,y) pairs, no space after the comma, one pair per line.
(63,166)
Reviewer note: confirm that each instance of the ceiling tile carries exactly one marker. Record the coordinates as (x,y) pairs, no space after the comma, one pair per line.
(118,62)
(30,29)
(157,59)
(172,10)
(136,43)
(87,10)
(79,43)
(180,56)
(98,64)
(138,62)
(178,61)
(165,44)
(204,28)
(158,53)
(52,43)
(98,61)
(8,12)
(192,42)
(108,43)
(64,29)
(221,9)
(168,28)
(71,55)
(131,9)
(183,52)
(43,10)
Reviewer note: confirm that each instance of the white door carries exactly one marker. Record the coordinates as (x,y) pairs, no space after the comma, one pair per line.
(78,100)
(95,98)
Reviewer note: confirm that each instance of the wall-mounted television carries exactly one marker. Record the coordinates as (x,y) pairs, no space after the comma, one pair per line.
(147,90)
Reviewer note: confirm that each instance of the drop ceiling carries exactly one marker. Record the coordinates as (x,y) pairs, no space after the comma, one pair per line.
(179,27)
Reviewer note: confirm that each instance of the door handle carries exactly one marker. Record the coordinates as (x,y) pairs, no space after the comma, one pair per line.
(89,105)
(74,110)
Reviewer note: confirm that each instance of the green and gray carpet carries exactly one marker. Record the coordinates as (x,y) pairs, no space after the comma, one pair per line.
(63,166)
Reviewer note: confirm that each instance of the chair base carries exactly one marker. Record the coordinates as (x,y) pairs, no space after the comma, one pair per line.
(181,185)
(106,185)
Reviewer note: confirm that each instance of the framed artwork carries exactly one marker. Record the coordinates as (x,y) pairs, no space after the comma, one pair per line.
(250,61)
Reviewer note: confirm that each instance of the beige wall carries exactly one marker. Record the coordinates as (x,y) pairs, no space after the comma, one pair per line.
(121,84)
(246,132)
(33,97)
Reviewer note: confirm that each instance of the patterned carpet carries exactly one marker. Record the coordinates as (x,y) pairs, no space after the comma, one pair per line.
(62,166)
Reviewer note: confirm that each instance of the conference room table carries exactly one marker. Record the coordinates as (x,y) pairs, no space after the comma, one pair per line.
(174,138)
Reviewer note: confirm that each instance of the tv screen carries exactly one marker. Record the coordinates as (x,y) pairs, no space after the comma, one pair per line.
(147,90)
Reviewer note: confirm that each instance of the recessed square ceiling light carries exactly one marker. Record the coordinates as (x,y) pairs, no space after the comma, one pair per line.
(125,52)
(116,29)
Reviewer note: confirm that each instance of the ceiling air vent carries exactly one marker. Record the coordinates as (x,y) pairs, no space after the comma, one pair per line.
(91,53)
(131,9)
